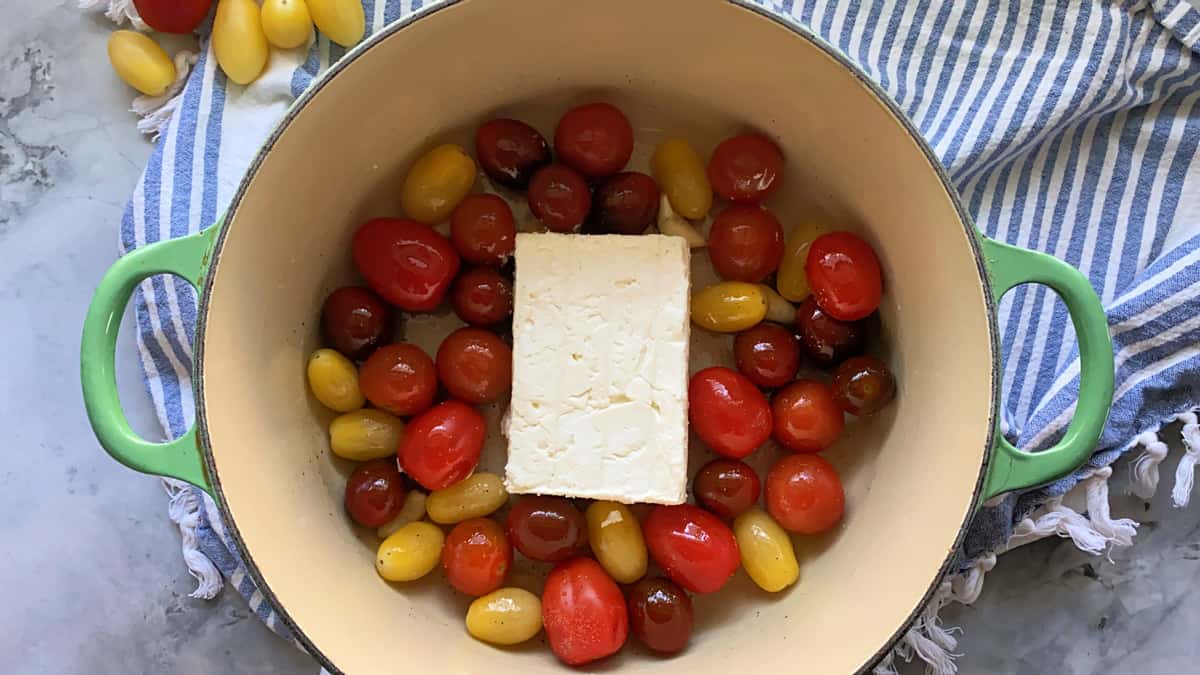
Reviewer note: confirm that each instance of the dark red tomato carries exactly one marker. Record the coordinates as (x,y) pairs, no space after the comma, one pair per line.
(827,340)
(627,203)
(660,614)
(375,492)
(843,273)
(546,528)
(746,168)
(727,487)
(768,354)
(510,151)
(559,197)
(745,243)
(807,418)
(475,365)
(441,446)
(595,139)
(355,321)
(399,378)
(804,494)
(728,412)
(482,297)
(694,548)
(173,16)
(477,556)
(482,230)
(406,262)
(863,385)
(583,612)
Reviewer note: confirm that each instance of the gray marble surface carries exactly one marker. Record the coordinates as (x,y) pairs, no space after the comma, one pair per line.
(90,563)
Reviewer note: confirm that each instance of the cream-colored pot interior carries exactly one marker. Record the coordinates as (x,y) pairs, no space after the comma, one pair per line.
(701,69)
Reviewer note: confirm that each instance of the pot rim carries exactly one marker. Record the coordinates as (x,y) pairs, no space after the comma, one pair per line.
(800,31)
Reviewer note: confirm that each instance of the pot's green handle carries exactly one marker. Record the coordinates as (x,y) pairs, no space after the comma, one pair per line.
(186,257)
(1012,469)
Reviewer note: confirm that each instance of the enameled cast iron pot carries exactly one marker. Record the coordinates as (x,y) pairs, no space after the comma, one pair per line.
(700,69)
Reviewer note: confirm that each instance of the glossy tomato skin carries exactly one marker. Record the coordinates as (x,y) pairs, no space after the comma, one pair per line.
(475,365)
(728,412)
(482,296)
(546,528)
(844,275)
(483,230)
(441,446)
(477,556)
(374,492)
(583,612)
(745,243)
(804,494)
(399,378)
(595,139)
(863,385)
(827,340)
(559,197)
(746,168)
(173,16)
(660,614)
(694,548)
(408,263)
(727,487)
(807,416)
(626,203)
(768,354)
(355,321)
(510,151)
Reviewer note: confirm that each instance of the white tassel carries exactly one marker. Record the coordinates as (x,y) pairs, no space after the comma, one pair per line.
(184,510)
(118,11)
(966,587)
(1185,473)
(927,640)
(1119,532)
(1145,467)
(156,111)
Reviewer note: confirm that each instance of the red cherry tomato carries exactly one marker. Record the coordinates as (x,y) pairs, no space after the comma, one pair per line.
(510,151)
(375,492)
(399,378)
(660,614)
(441,446)
(475,365)
(482,297)
(863,385)
(804,494)
(843,273)
(406,262)
(546,528)
(482,230)
(595,139)
(627,203)
(768,354)
(559,197)
(476,556)
(807,416)
(355,321)
(746,168)
(583,612)
(728,412)
(693,546)
(173,16)
(827,340)
(745,243)
(727,487)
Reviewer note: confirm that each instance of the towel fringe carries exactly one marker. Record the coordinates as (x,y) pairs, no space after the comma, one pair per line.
(1185,474)
(1144,481)
(119,12)
(184,507)
(156,111)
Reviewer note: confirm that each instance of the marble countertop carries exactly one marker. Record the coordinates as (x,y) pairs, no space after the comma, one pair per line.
(91,566)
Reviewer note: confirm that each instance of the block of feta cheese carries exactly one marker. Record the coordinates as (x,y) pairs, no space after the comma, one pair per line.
(600,368)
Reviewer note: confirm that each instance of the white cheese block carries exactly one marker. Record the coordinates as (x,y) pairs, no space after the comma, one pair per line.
(600,368)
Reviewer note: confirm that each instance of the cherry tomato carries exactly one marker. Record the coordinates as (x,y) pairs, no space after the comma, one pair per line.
(746,168)
(660,614)
(827,340)
(595,139)
(510,151)
(441,446)
(475,365)
(173,16)
(482,297)
(768,354)
(559,197)
(399,378)
(546,528)
(727,487)
(745,243)
(843,272)
(355,321)
(863,385)
(406,262)
(694,548)
(477,556)
(627,203)
(728,412)
(804,494)
(375,492)
(583,612)
(807,418)
(482,230)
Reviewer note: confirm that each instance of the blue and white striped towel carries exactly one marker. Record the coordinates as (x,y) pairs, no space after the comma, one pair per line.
(1068,126)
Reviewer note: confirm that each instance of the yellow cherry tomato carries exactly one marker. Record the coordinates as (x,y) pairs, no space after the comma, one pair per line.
(506,616)
(412,511)
(616,538)
(729,306)
(334,381)
(140,62)
(411,552)
(436,183)
(343,21)
(682,177)
(238,40)
(287,23)
(365,434)
(475,496)
(791,280)
(766,549)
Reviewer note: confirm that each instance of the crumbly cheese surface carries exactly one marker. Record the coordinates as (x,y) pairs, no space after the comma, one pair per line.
(600,358)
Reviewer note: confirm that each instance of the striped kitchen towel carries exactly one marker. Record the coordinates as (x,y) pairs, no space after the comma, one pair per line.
(1068,126)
